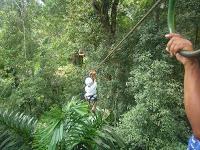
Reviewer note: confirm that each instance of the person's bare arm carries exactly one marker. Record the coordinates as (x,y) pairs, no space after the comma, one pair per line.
(191,80)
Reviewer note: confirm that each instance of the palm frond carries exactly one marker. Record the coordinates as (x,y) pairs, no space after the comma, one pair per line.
(95,134)
(49,130)
(16,130)
(109,138)
(57,123)
(74,127)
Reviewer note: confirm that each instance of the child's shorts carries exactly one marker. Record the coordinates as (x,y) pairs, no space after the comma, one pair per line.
(194,144)
(91,98)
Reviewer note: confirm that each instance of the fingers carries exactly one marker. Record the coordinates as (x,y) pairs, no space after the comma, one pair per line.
(167,49)
(172,48)
(180,58)
(175,48)
(177,43)
(171,35)
(173,45)
(170,43)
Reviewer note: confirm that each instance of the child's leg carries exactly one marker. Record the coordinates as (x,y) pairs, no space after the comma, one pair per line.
(94,105)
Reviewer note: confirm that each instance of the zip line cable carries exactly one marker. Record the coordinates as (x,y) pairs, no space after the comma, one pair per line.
(171,26)
(129,33)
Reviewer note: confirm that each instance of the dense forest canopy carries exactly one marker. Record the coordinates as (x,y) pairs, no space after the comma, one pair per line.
(140,90)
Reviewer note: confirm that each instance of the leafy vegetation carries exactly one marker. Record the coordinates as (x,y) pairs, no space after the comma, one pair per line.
(16,130)
(70,127)
(139,86)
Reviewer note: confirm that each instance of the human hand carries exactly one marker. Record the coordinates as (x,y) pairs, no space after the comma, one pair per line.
(177,43)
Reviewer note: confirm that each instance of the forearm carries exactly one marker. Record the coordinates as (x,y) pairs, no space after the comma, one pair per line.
(192,96)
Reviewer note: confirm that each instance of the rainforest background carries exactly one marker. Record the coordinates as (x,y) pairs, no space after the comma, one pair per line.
(140,88)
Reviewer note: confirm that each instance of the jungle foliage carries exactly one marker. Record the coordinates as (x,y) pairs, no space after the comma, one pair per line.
(140,88)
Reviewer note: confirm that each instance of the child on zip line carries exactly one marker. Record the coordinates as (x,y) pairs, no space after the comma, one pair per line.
(91,89)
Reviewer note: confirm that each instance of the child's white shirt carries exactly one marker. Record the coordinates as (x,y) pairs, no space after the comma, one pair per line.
(91,87)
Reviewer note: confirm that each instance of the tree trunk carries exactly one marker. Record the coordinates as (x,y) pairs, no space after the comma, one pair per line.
(114,17)
(105,19)
(102,9)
